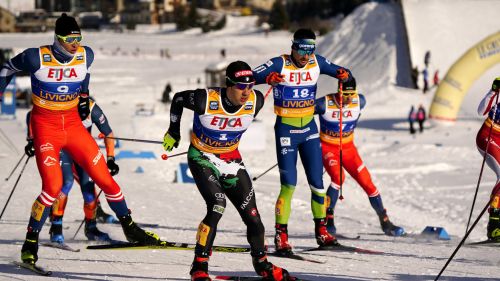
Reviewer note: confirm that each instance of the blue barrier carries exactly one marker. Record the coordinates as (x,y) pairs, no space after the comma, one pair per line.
(128,154)
(184,174)
(438,232)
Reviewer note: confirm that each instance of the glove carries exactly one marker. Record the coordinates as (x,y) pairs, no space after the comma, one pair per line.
(342,74)
(29,149)
(496,85)
(274,78)
(170,141)
(84,106)
(113,168)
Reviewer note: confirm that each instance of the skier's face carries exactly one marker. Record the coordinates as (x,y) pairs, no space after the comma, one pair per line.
(70,47)
(238,96)
(301,60)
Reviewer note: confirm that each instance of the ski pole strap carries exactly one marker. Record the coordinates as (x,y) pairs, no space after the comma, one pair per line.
(341,197)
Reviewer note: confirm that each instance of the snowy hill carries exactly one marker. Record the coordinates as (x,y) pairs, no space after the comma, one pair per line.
(427,179)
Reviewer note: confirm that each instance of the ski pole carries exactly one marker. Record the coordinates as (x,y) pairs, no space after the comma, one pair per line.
(15,167)
(10,144)
(268,92)
(482,165)
(463,240)
(163,156)
(265,172)
(81,224)
(341,197)
(15,185)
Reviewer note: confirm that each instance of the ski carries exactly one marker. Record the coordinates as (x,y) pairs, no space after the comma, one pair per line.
(488,242)
(33,267)
(249,278)
(165,246)
(61,246)
(347,237)
(344,248)
(293,256)
(140,224)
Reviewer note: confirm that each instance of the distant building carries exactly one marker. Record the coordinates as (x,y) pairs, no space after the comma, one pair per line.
(7,21)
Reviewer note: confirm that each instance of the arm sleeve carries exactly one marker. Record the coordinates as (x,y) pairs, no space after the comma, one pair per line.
(362,101)
(90,59)
(329,68)
(100,120)
(28,60)
(29,134)
(319,106)
(259,102)
(262,71)
(194,100)
(486,103)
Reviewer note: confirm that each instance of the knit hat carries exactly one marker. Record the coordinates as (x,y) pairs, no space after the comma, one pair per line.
(66,25)
(349,86)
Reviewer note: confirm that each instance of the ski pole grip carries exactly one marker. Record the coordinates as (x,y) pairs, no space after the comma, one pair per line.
(101,136)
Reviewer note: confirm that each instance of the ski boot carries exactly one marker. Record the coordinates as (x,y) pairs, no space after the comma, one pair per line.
(199,269)
(330,222)
(55,232)
(323,238)
(103,217)
(494,225)
(268,270)
(93,233)
(29,251)
(281,240)
(388,227)
(136,234)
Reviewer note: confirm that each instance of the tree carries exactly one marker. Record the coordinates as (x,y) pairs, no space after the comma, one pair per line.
(278,18)
(193,18)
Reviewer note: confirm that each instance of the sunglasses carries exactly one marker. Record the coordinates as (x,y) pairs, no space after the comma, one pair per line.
(70,39)
(348,94)
(242,86)
(305,52)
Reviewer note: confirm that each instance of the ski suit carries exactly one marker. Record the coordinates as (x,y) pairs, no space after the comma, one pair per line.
(295,129)
(215,162)
(56,124)
(70,170)
(489,106)
(328,110)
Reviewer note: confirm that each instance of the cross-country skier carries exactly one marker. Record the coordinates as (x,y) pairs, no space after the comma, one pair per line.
(328,109)
(221,117)
(59,83)
(294,78)
(490,132)
(91,231)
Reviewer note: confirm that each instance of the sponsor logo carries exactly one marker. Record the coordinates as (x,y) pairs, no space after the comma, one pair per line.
(37,210)
(224,122)
(327,61)
(79,57)
(174,118)
(97,157)
(49,161)
(57,97)
(46,147)
(355,101)
(300,131)
(214,105)
(254,212)
(243,73)
(313,136)
(202,234)
(219,196)
(284,151)
(330,102)
(60,73)
(218,209)
(249,105)
(345,114)
(279,206)
(247,199)
(259,69)
(102,119)
(332,162)
(285,141)
(269,63)
(47,58)
(299,77)
(298,103)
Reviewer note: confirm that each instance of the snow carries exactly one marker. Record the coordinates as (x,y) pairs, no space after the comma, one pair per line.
(427,179)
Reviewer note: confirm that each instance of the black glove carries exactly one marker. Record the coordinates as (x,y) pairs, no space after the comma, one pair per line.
(113,168)
(29,149)
(84,106)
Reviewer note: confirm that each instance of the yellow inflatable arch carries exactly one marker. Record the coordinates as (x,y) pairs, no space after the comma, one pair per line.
(462,74)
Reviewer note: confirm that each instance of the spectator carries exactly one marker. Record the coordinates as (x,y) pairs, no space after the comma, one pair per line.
(436,78)
(411,119)
(425,73)
(414,76)
(421,116)
(427,58)
(166,93)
